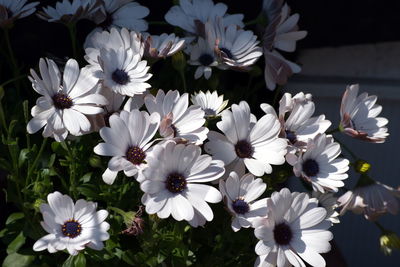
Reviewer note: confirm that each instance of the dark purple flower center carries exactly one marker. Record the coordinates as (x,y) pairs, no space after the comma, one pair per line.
(240,206)
(310,167)
(227,52)
(282,234)
(176,183)
(135,155)
(71,228)
(120,77)
(244,149)
(291,136)
(62,101)
(206,59)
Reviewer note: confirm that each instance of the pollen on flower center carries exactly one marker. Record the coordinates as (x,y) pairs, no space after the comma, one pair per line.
(176,183)
(240,206)
(206,59)
(291,136)
(227,52)
(120,77)
(135,155)
(71,228)
(244,149)
(62,101)
(282,234)
(310,167)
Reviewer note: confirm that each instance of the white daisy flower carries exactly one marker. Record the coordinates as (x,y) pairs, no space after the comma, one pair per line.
(11,10)
(254,144)
(135,102)
(239,195)
(295,115)
(359,116)
(272,8)
(192,15)
(127,141)
(173,183)
(70,11)
(65,101)
(111,40)
(124,14)
(178,121)
(71,226)
(202,55)
(162,46)
(210,103)
(282,33)
(235,47)
(373,200)
(330,203)
(320,164)
(294,230)
(123,71)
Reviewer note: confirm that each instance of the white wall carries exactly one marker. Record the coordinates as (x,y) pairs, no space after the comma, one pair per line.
(376,67)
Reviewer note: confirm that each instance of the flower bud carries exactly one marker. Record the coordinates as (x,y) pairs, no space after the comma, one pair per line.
(361,166)
(179,61)
(95,161)
(389,241)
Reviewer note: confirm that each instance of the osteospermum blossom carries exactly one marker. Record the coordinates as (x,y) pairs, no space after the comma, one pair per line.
(173,182)
(70,11)
(320,164)
(65,100)
(239,195)
(123,71)
(178,120)
(162,46)
(295,115)
(127,141)
(71,226)
(294,230)
(236,48)
(254,144)
(359,116)
(192,15)
(210,103)
(282,33)
(111,40)
(122,13)
(373,200)
(330,203)
(11,10)
(202,55)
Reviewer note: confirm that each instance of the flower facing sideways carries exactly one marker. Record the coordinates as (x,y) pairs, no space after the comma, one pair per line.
(174,182)
(71,226)
(210,103)
(240,197)
(294,230)
(11,10)
(359,116)
(65,101)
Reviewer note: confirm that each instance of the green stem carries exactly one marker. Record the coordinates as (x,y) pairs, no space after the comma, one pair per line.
(383,230)
(36,160)
(72,170)
(277,91)
(183,81)
(251,22)
(13,60)
(3,118)
(72,34)
(347,149)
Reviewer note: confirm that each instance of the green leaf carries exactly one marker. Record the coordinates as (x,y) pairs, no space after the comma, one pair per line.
(14,217)
(1,92)
(23,156)
(88,190)
(75,261)
(4,164)
(18,242)
(18,260)
(86,178)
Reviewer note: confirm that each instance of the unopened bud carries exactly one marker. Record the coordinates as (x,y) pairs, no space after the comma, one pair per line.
(389,241)
(95,161)
(361,166)
(179,61)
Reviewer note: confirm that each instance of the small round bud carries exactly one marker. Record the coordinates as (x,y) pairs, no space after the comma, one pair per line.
(361,166)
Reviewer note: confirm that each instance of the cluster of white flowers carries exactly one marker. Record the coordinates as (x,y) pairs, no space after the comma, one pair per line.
(157,138)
